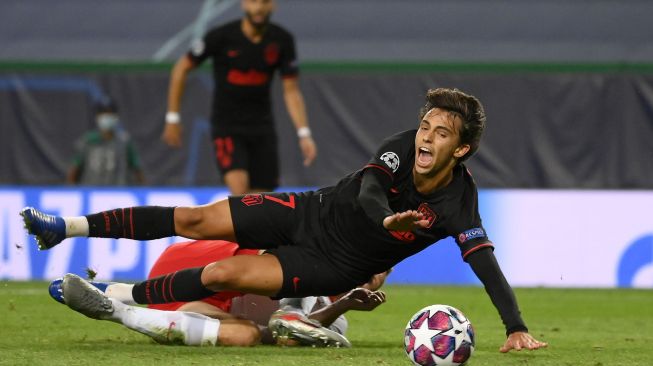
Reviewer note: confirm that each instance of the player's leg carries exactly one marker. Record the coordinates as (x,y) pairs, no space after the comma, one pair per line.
(264,163)
(232,157)
(256,274)
(168,327)
(237,180)
(211,221)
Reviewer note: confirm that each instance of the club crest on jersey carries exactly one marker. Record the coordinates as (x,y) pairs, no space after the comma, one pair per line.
(391,160)
(425,210)
(197,48)
(272,53)
(474,233)
(252,199)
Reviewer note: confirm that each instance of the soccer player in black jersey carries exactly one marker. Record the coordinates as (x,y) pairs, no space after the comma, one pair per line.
(414,192)
(245,54)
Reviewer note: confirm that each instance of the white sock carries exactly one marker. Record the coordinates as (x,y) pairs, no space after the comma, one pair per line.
(121,292)
(168,327)
(76,226)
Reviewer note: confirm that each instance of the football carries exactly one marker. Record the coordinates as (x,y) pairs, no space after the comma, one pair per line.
(439,335)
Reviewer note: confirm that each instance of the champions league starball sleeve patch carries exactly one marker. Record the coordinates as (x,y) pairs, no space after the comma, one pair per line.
(391,160)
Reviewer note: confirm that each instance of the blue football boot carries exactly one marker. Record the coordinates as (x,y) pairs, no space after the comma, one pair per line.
(56,291)
(49,230)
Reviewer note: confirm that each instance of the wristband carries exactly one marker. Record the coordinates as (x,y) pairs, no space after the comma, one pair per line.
(303,132)
(173,117)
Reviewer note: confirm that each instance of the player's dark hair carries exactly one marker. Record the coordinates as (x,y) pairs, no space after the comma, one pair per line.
(464,106)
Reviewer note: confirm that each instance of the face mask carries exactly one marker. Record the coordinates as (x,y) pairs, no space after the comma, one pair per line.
(107,122)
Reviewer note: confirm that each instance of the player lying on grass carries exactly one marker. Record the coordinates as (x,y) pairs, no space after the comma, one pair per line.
(415,191)
(226,318)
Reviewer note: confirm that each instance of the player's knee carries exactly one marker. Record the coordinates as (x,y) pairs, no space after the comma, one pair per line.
(221,275)
(187,218)
(243,333)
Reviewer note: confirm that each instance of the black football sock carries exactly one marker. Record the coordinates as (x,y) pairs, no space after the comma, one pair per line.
(184,285)
(139,223)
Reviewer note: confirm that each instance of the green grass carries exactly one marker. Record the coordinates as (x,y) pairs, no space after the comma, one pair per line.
(583,327)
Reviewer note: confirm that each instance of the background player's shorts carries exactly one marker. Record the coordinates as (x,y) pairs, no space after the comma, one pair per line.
(257,154)
(197,254)
(287,226)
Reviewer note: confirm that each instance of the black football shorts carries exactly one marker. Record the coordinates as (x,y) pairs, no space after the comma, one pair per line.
(287,226)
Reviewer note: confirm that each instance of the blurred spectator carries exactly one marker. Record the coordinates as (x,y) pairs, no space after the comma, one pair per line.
(105,156)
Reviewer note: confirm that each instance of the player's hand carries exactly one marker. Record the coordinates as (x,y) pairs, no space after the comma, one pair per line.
(309,150)
(363,299)
(520,340)
(172,134)
(405,221)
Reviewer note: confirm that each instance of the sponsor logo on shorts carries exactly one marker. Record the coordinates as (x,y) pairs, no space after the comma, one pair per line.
(474,233)
(252,199)
(391,160)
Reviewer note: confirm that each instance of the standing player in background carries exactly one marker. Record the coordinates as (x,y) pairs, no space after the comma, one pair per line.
(414,192)
(245,55)
(227,318)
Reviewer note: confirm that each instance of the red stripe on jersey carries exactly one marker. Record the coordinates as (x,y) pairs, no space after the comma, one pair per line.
(250,77)
(383,169)
(480,246)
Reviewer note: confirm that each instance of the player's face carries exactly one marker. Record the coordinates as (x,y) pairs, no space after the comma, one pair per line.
(258,12)
(437,142)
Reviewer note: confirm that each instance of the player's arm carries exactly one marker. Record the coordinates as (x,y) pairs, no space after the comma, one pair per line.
(296,107)
(360,299)
(486,268)
(375,184)
(172,131)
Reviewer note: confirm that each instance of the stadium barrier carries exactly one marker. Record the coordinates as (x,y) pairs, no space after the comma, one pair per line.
(553,238)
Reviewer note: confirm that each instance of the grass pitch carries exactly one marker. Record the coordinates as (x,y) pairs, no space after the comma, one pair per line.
(582,327)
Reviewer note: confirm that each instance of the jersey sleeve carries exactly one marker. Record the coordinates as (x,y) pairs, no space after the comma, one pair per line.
(288,65)
(393,157)
(467,229)
(208,46)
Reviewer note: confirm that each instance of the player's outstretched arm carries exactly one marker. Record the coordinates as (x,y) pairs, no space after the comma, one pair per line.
(520,340)
(360,299)
(372,198)
(486,268)
(405,221)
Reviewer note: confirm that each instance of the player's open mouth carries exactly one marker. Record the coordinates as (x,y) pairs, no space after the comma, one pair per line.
(424,157)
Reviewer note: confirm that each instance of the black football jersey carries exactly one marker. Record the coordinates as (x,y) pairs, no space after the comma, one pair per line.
(243,73)
(354,240)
